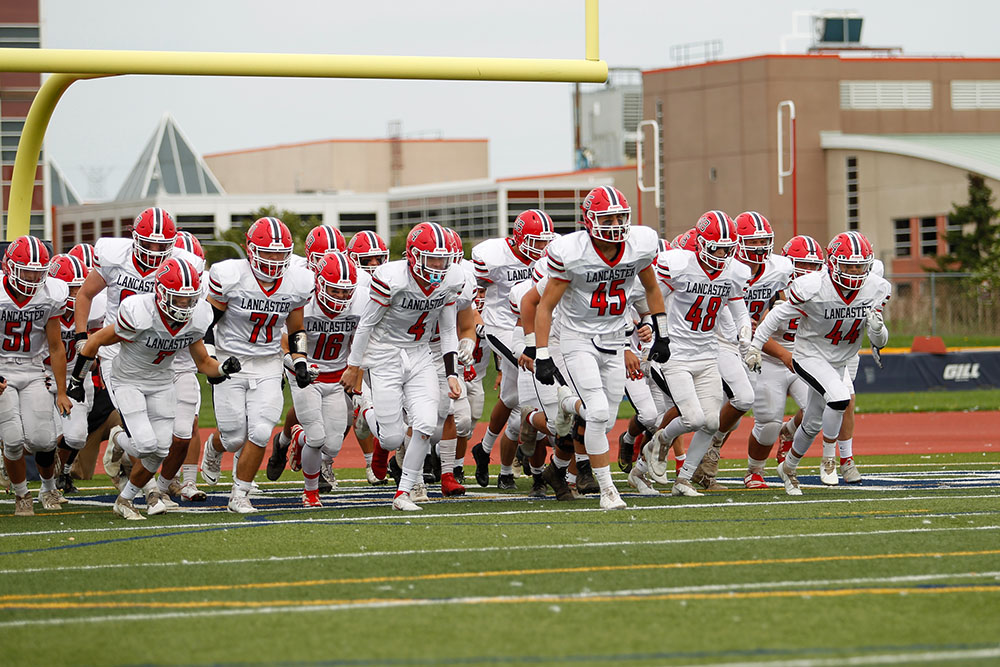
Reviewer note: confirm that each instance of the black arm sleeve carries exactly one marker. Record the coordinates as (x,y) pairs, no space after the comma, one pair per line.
(217,314)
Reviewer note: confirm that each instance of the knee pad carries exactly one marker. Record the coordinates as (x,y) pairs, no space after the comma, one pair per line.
(391,440)
(839,406)
(513,430)
(766,433)
(711,423)
(259,433)
(13,452)
(463,425)
(45,459)
(595,439)
(232,439)
(693,422)
(742,403)
(315,436)
(151,462)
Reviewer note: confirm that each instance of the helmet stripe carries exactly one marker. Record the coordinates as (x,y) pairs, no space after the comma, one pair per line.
(185,273)
(855,244)
(33,249)
(758,223)
(372,240)
(544,217)
(88,253)
(438,234)
(723,227)
(77,267)
(345,269)
(275,230)
(612,195)
(331,240)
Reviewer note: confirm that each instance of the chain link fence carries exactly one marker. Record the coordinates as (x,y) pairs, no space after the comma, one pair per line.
(942,304)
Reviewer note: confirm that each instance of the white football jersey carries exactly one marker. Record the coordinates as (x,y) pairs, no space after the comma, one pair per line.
(597,296)
(254,318)
(23,332)
(98,308)
(412,314)
(769,280)
(329,338)
(830,327)
(148,356)
(697,300)
(498,269)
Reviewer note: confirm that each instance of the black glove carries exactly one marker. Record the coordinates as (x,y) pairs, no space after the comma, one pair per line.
(75,390)
(230,366)
(302,378)
(660,351)
(545,371)
(529,351)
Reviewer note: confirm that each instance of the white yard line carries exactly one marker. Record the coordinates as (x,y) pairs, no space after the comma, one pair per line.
(880,659)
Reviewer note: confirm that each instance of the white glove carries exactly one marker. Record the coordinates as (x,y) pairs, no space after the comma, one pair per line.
(466,348)
(752,358)
(875,321)
(744,338)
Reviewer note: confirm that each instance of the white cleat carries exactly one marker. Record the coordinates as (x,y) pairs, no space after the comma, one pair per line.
(326,470)
(113,453)
(404,503)
(418,493)
(564,420)
(828,471)
(190,492)
(790,479)
(611,500)
(372,479)
(126,510)
(655,454)
(240,505)
(850,472)
(155,504)
(211,462)
(50,500)
(683,487)
(638,481)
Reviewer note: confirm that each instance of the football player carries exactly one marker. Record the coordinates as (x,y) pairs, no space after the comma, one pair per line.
(31,304)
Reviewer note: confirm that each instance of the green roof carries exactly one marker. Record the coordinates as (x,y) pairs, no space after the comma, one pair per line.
(978,153)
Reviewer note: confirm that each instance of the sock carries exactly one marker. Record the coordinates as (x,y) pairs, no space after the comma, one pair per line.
(829,449)
(312,458)
(846,448)
(701,442)
(640,465)
(787,430)
(120,438)
(628,439)
(489,440)
(669,433)
(49,484)
(189,472)
(603,477)
(570,478)
(163,484)
(537,470)
(559,462)
(69,461)
(506,470)
(446,450)
(241,488)
(681,458)
(149,487)
(755,466)
(368,460)
(569,404)
(582,457)
(130,491)
(21,488)
(792,460)
(283,439)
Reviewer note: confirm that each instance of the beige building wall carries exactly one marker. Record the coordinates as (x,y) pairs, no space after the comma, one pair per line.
(349,165)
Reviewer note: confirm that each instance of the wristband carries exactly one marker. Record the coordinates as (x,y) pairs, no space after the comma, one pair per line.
(542,353)
(529,339)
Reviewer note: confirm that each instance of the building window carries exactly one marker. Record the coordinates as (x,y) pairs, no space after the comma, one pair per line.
(902,236)
(952,227)
(852,193)
(352,223)
(928,237)
(975,95)
(911,95)
(202,226)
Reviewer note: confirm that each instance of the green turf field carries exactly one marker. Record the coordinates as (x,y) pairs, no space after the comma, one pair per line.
(905,568)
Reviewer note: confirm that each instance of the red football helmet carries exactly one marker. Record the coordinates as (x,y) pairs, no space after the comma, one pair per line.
(190,242)
(71,271)
(806,254)
(177,289)
(533,232)
(454,242)
(427,252)
(269,236)
(85,253)
(321,240)
(603,203)
(368,250)
(752,226)
(716,231)
(849,250)
(26,264)
(687,240)
(153,234)
(336,278)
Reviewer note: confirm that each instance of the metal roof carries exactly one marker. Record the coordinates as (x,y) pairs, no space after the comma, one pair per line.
(978,153)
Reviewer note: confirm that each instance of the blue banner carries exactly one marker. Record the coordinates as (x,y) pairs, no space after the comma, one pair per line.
(923,372)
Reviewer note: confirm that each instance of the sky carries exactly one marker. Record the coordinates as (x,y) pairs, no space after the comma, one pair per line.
(99,127)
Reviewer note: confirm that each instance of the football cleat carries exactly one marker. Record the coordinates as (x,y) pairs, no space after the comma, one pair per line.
(506,482)
(278,459)
(155,504)
(637,480)
(850,472)
(295,448)
(611,500)
(585,482)
(555,477)
(310,498)
(126,510)
(564,419)
(326,474)
(828,471)
(517,465)
(372,479)
(404,503)
(361,428)
(191,493)
(49,500)
(65,483)
(705,474)
(529,434)
(683,487)
(113,453)
(790,480)
(625,453)
(537,486)
(432,467)
(754,480)
(655,453)
(24,505)
(240,505)
(418,493)
(784,445)
(450,487)
(60,498)
(395,471)
(211,462)
(459,473)
(380,463)
(482,458)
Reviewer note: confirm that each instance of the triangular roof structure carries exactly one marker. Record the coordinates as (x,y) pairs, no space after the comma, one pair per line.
(62,191)
(169,165)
